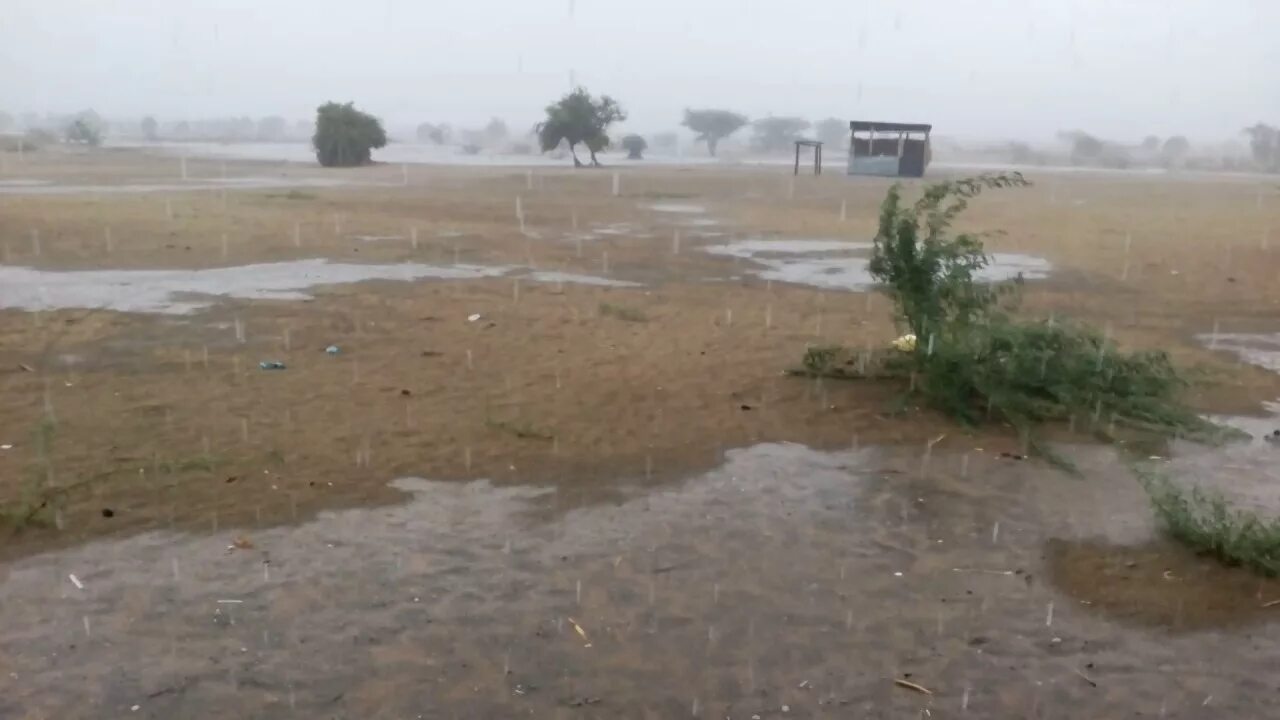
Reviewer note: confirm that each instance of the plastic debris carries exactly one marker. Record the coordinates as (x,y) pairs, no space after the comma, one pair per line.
(474,317)
(76,581)
(271,365)
(333,350)
(6,447)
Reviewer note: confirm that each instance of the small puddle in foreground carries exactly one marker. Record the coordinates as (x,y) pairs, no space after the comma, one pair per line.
(167,291)
(1261,349)
(840,265)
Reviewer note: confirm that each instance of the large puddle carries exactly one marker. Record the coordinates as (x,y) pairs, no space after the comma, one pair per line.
(786,583)
(185,291)
(840,265)
(1261,349)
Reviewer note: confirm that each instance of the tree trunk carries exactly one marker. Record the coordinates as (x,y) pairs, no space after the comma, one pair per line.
(711,145)
(576,162)
(594,161)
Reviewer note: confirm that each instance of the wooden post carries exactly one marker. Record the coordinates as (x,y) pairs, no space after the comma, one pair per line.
(797,170)
(817,159)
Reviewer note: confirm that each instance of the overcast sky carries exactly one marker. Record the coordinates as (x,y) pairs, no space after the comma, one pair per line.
(974,68)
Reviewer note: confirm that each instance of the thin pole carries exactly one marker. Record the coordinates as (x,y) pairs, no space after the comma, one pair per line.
(797,170)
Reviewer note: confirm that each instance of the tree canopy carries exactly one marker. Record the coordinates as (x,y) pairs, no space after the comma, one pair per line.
(635,146)
(430,133)
(713,126)
(580,118)
(346,137)
(774,134)
(85,127)
(150,129)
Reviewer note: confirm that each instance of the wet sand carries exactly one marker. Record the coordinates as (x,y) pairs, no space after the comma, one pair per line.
(787,583)
(602,443)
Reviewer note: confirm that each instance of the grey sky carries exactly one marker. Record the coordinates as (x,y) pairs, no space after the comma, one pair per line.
(975,68)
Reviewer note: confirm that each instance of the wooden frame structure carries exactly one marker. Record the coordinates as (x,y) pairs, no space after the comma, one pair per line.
(889,148)
(817,155)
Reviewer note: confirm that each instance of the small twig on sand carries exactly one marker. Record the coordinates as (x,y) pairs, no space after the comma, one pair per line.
(1084,677)
(1270,603)
(912,686)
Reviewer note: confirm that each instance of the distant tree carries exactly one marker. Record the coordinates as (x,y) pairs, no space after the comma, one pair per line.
(6,121)
(713,126)
(666,142)
(81,131)
(495,133)
(272,128)
(635,147)
(346,137)
(429,133)
(579,118)
(1174,151)
(834,132)
(774,134)
(1264,145)
(150,129)
(1151,144)
(1083,145)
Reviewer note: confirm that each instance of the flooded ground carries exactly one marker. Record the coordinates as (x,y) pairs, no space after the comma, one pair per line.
(842,265)
(787,583)
(612,442)
(169,291)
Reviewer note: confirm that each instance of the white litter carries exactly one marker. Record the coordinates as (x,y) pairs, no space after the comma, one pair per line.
(473,318)
(6,447)
(76,581)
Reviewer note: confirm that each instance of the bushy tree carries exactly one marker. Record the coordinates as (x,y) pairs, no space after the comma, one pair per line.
(1151,144)
(1083,145)
(834,132)
(432,133)
(713,126)
(775,134)
(346,137)
(1264,145)
(150,129)
(579,118)
(83,130)
(635,147)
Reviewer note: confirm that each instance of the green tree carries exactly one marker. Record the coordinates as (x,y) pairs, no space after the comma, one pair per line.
(495,133)
(1151,144)
(579,118)
(713,126)
(431,133)
(346,137)
(834,132)
(635,147)
(776,134)
(85,128)
(150,129)
(1083,145)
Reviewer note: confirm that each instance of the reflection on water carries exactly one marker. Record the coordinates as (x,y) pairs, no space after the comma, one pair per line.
(786,578)
(168,291)
(1261,349)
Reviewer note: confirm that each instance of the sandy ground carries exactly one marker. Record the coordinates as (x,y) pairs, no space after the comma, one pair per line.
(610,397)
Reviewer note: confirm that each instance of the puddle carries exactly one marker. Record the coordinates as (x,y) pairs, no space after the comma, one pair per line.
(1261,349)
(841,265)
(23,182)
(245,183)
(170,291)
(785,578)
(377,238)
(671,207)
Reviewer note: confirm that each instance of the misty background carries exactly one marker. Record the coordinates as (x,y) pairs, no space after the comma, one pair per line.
(982,70)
